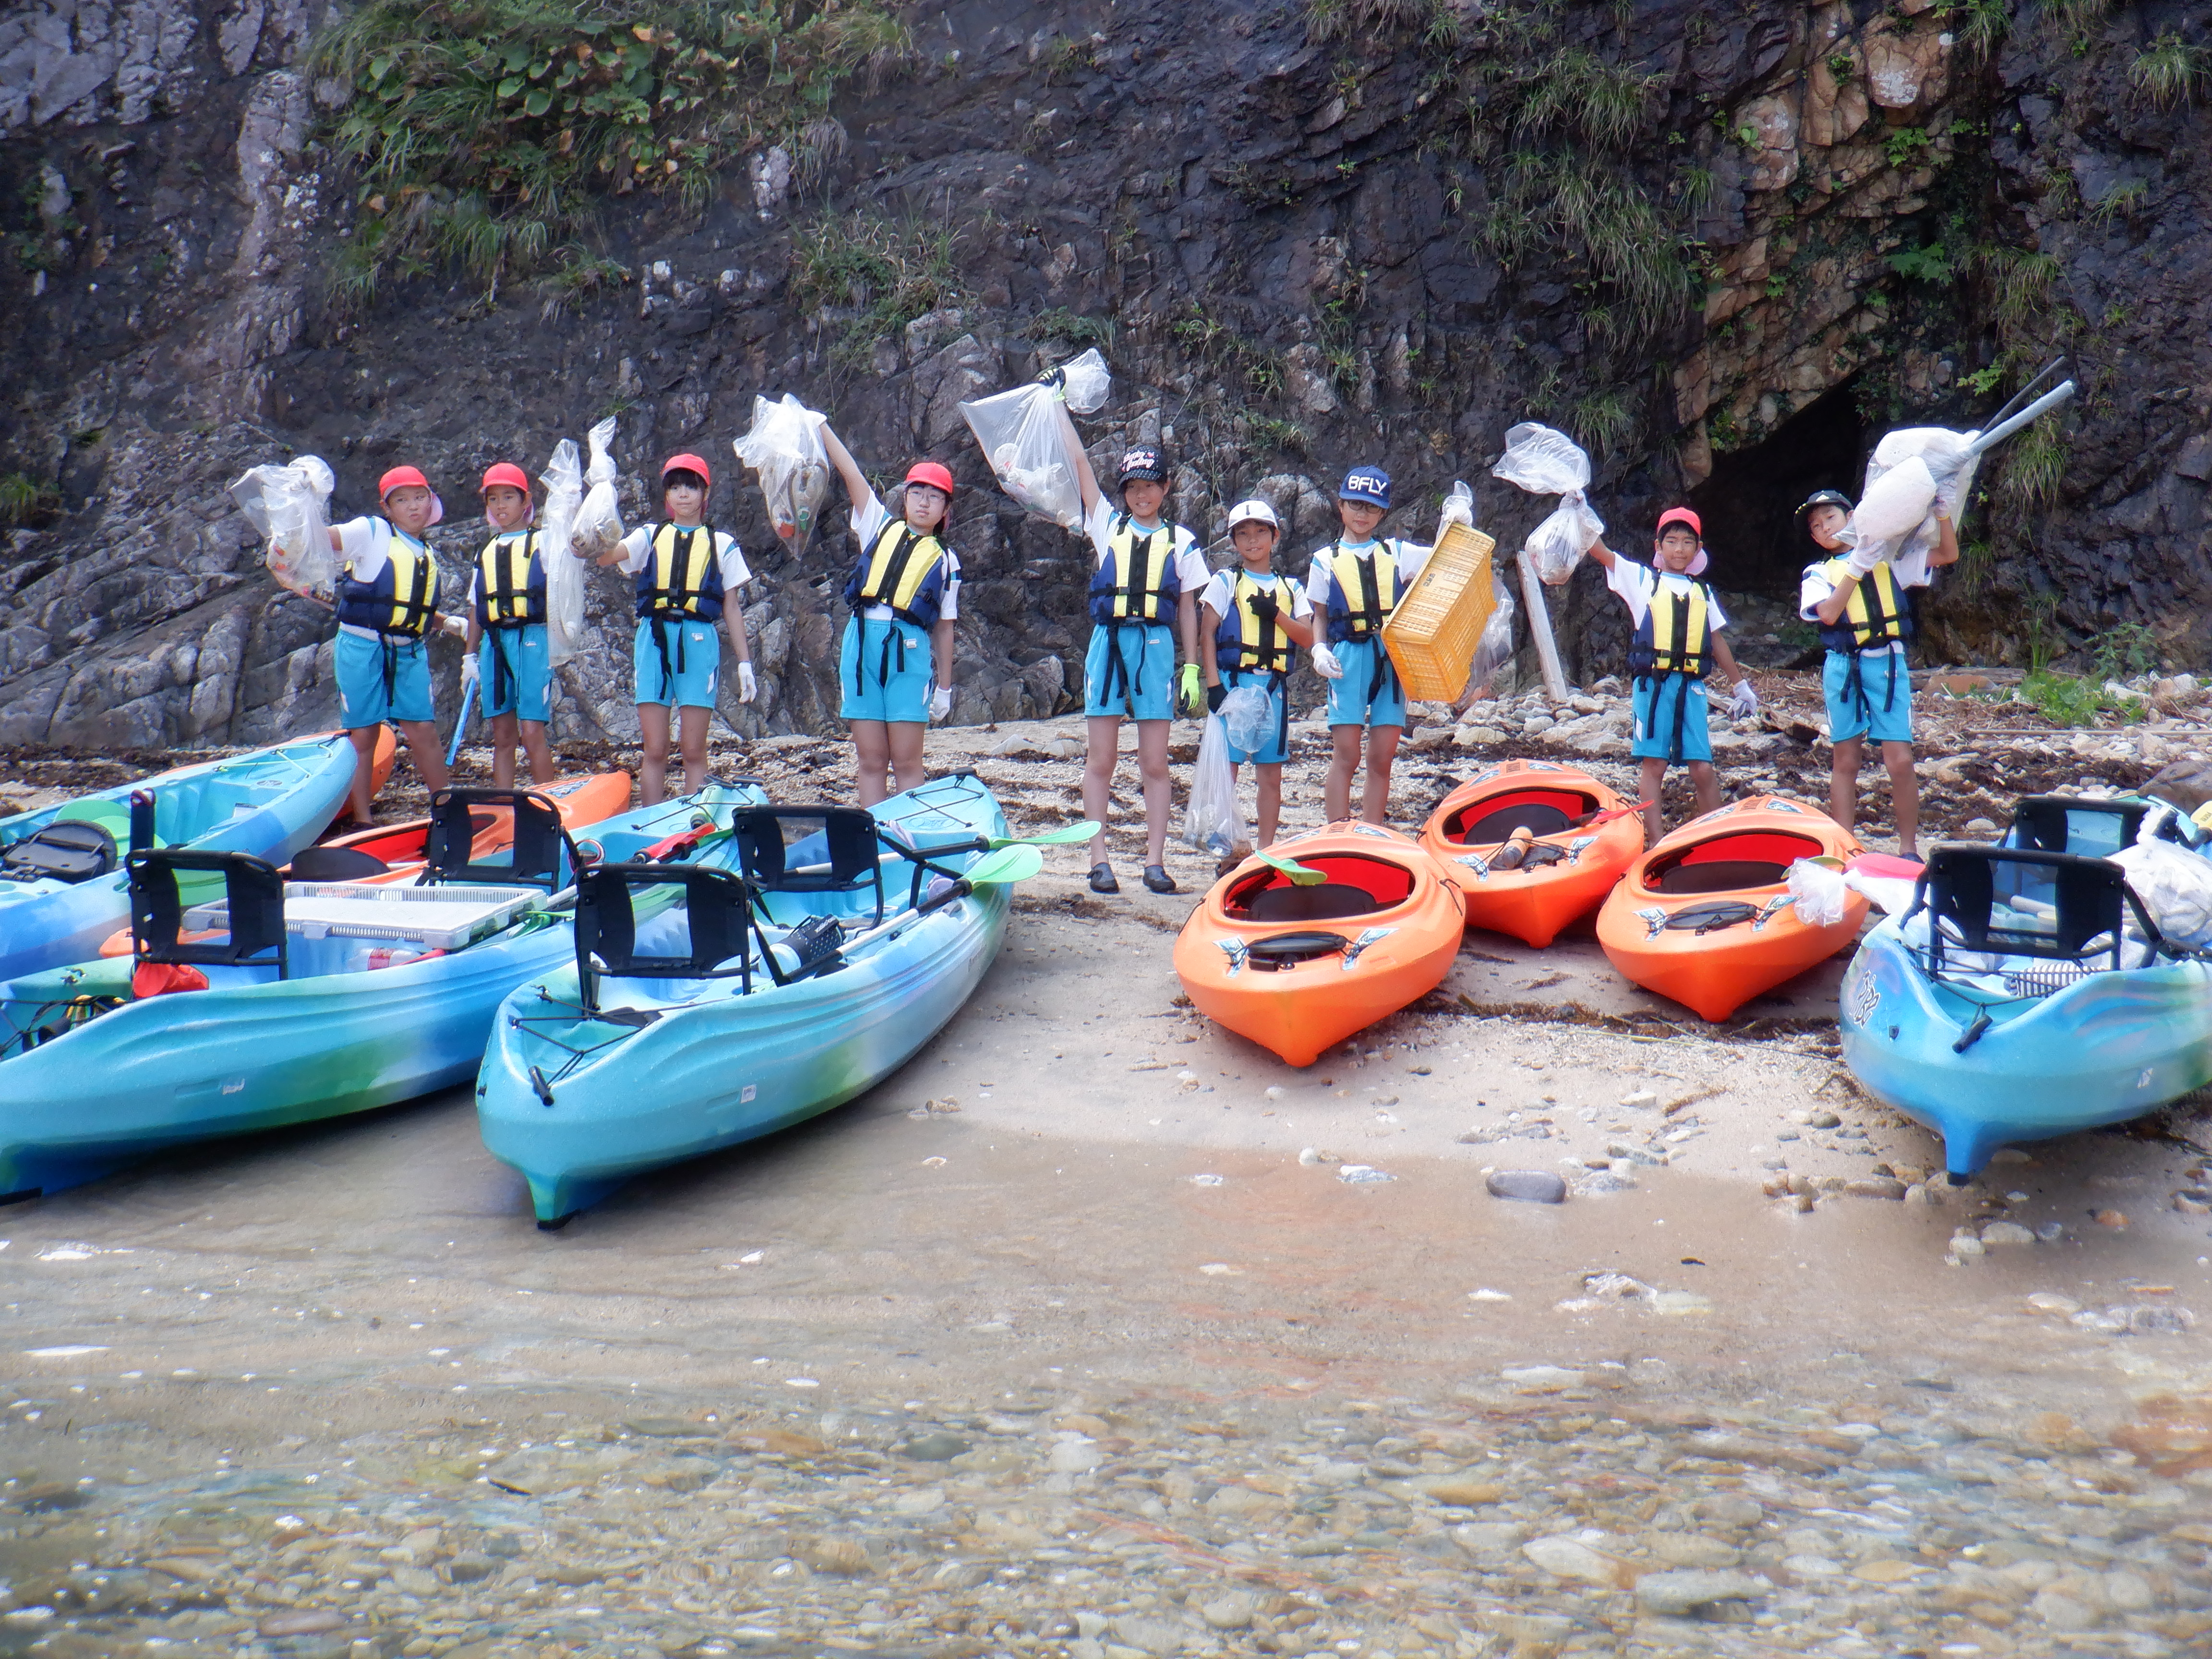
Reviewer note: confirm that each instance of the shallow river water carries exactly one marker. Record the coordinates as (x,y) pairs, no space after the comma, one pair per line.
(1083,1370)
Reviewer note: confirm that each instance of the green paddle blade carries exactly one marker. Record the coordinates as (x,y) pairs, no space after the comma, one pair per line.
(1299,875)
(1073,834)
(1006,865)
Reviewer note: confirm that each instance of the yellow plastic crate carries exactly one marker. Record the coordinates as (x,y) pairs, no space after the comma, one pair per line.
(1432,634)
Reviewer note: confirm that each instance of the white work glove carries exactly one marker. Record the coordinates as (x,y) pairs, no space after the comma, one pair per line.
(1457,509)
(472,669)
(456,626)
(1745,703)
(1863,560)
(747,686)
(940,702)
(1325,663)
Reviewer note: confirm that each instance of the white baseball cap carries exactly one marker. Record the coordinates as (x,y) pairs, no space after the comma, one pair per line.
(1254,511)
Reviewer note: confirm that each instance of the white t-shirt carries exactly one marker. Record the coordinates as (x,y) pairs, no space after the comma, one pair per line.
(1221,588)
(1814,587)
(1190,566)
(637,547)
(869,521)
(365,548)
(1636,583)
(1321,586)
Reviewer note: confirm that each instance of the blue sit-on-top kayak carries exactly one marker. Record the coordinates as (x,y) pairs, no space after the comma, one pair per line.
(320,998)
(62,888)
(845,941)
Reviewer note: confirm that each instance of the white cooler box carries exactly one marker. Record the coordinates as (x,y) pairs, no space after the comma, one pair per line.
(435,918)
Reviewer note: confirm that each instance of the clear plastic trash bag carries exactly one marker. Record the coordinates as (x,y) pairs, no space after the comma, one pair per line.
(1895,486)
(1212,822)
(598,520)
(1246,715)
(289,506)
(1021,436)
(784,448)
(1548,463)
(564,479)
(1495,650)
(2175,887)
(1818,893)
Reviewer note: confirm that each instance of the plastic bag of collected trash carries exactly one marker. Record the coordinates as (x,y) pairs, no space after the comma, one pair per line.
(1818,893)
(1022,437)
(2175,887)
(1495,650)
(1913,473)
(289,506)
(785,447)
(1212,822)
(564,479)
(1250,721)
(1548,463)
(598,520)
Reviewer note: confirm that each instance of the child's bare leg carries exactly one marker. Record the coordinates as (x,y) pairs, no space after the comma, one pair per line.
(1343,762)
(539,753)
(422,749)
(1655,816)
(1843,781)
(1269,778)
(1904,796)
(692,727)
(906,737)
(1152,769)
(872,752)
(1381,752)
(363,739)
(652,736)
(1104,735)
(1706,784)
(503,740)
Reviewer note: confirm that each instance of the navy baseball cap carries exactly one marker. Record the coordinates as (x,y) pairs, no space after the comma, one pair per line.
(1370,484)
(1825,498)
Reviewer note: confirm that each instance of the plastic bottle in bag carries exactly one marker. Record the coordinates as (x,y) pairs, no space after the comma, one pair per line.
(598,520)
(1212,822)
(564,479)
(1544,462)
(1495,650)
(289,506)
(784,447)
(1021,436)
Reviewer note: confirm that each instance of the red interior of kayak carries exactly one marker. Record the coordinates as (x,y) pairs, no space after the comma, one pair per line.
(1757,858)
(1355,886)
(1539,811)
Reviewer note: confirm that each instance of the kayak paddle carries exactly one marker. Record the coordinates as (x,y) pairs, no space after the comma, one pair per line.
(1299,875)
(1072,835)
(1007,864)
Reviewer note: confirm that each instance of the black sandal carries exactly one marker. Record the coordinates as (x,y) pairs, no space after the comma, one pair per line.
(1158,878)
(1102,879)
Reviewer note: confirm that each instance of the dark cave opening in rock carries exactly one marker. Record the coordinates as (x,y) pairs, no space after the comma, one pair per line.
(1749,503)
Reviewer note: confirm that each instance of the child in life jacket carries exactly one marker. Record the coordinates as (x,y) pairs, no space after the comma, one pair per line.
(689,578)
(1148,572)
(1354,584)
(510,657)
(896,662)
(387,602)
(1859,602)
(1254,617)
(1679,638)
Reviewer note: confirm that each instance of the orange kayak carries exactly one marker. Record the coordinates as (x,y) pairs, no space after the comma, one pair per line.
(1574,856)
(1704,917)
(1298,968)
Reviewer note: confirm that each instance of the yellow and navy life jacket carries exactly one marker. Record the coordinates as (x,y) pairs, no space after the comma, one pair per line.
(1876,614)
(1367,591)
(1245,640)
(402,602)
(1675,636)
(905,570)
(1137,581)
(510,581)
(682,577)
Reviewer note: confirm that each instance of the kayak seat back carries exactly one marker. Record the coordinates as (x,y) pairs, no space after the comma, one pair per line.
(718,912)
(253,902)
(1728,864)
(335,864)
(2065,902)
(75,850)
(1352,885)
(540,855)
(2069,823)
(1539,811)
(810,849)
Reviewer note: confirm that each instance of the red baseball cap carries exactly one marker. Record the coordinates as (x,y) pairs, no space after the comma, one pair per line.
(931,473)
(398,478)
(687,464)
(508,474)
(1681,515)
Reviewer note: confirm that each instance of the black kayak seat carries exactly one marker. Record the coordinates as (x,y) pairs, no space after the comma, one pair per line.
(1329,902)
(2089,898)
(1729,863)
(254,900)
(2070,823)
(71,851)
(541,854)
(841,848)
(335,864)
(1721,876)
(1534,817)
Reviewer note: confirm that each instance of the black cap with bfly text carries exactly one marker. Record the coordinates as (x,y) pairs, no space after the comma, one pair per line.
(1825,498)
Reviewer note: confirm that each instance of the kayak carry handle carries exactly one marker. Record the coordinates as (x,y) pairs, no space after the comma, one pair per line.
(142,820)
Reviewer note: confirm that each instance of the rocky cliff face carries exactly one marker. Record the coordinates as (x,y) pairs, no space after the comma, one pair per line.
(1725,246)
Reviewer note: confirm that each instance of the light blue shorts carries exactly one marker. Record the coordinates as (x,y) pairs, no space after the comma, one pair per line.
(1658,698)
(694,663)
(1351,702)
(884,667)
(529,678)
(1144,685)
(1277,749)
(1879,707)
(366,696)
